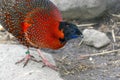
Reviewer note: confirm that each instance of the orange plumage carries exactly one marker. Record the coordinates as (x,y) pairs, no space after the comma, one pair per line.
(36,23)
(42,31)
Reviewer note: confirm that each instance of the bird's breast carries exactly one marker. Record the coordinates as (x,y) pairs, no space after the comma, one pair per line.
(42,38)
(41,29)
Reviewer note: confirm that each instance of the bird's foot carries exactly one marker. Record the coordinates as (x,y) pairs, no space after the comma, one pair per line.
(48,64)
(27,58)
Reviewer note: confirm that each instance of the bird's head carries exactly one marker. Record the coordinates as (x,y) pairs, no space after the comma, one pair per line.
(70,31)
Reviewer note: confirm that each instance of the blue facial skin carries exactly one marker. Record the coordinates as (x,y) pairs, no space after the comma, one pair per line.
(74,36)
(70,31)
(73,33)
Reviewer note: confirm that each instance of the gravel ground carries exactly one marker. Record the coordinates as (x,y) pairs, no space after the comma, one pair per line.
(74,66)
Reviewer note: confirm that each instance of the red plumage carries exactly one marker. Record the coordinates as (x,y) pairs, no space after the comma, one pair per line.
(33,22)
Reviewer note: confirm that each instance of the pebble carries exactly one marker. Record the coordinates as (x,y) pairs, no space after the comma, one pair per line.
(95,38)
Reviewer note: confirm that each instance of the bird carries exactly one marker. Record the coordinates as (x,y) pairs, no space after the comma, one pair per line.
(38,24)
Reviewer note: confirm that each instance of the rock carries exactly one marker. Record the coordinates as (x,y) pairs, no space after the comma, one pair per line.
(111,3)
(83,9)
(95,38)
(9,36)
(1,28)
(6,36)
(113,6)
(9,54)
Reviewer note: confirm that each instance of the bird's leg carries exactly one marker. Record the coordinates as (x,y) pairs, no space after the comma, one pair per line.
(46,62)
(27,58)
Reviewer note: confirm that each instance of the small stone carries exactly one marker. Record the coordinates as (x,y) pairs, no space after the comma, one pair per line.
(95,38)
(1,28)
(90,58)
